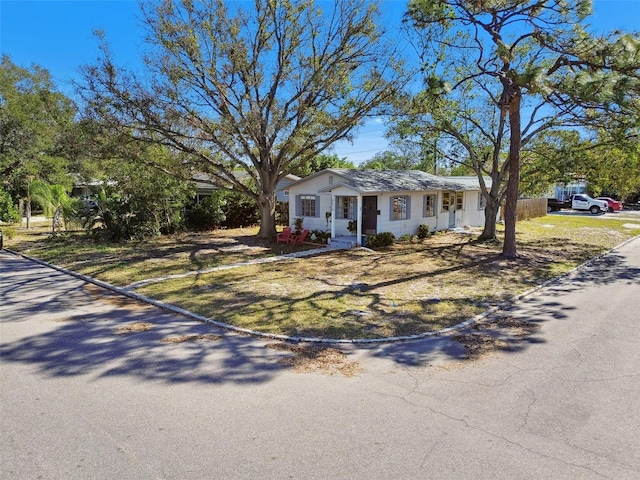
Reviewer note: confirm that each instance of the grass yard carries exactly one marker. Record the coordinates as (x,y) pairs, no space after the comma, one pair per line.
(410,288)
(124,263)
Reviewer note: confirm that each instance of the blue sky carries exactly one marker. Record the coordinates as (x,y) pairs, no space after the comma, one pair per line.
(57,35)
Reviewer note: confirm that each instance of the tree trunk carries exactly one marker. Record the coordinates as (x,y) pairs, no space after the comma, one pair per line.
(490,214)
(267,206)
(511,202)
(27,212)
(55,220)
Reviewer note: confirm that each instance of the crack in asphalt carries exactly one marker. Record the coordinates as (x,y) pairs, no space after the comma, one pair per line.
(533,401)
(517,444)
(603,379)
(414,390)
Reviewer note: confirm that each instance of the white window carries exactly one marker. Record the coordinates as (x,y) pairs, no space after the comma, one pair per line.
(445,201)
(346,208)
(450,199)
(459,198)
(307,206)
(429,209)
(400,207)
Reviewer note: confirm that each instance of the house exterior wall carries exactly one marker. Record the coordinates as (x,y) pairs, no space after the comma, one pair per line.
(311,187)
(470,215)
(205,189)
(408,226)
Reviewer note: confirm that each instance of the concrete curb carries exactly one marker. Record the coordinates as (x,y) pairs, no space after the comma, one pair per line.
(363,341)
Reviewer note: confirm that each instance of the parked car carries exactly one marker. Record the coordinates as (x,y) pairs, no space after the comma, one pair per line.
(614,205)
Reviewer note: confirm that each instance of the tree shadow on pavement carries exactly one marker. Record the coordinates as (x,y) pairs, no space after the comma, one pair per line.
(516,326)
(171,350)
(75,331)
(66,327)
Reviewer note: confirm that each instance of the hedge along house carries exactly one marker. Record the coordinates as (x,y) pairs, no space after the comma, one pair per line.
(396,201)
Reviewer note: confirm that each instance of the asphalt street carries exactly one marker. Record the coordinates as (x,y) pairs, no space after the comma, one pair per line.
(79,399)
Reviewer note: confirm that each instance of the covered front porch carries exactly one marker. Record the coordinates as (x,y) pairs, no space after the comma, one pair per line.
(350,206)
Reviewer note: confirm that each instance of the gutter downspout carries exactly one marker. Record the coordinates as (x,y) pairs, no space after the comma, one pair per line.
(333,215)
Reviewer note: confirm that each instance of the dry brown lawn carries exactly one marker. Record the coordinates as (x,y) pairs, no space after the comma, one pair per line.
(410,288)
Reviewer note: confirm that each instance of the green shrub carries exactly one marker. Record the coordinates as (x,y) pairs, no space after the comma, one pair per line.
(208,214)
(239,210)
(320,236)
(377,240)
(8,210)
(423,231)
(79,211)
(118,218)
(8,232)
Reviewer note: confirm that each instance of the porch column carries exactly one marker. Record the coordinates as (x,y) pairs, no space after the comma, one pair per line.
(359,227)
(333,215)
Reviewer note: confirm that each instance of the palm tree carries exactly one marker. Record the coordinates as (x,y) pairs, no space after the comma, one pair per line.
(53,199)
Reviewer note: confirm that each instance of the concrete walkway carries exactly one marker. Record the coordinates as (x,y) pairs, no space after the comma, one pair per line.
(277,258)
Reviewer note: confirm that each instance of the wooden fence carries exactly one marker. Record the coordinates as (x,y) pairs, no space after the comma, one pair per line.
(528,208)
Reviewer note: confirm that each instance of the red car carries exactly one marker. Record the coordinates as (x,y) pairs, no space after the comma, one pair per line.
(614,205)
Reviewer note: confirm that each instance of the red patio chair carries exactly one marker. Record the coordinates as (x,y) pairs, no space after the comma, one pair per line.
(299,239)
(284,236)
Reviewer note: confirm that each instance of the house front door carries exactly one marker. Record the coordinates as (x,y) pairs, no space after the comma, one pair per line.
(369,215)
(452,209)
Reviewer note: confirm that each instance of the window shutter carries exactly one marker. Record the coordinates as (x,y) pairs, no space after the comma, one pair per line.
(317,212)
(408,197)
(298,206)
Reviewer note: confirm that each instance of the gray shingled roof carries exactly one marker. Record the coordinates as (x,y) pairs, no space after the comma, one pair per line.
(400,180)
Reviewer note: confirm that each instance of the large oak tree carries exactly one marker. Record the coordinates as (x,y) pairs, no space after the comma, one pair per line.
(260,90)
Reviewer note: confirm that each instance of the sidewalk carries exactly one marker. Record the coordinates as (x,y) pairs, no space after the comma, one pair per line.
(277,258)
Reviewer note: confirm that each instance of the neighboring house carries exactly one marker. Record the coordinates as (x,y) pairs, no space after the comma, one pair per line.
(283,187)
(205,187)
(385,201)
(86,190)
(565,192)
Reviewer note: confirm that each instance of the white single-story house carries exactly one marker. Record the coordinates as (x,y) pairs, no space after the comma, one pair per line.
(385,201)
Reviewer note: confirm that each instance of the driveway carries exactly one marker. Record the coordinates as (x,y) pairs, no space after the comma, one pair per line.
(625,214)
(81,398)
